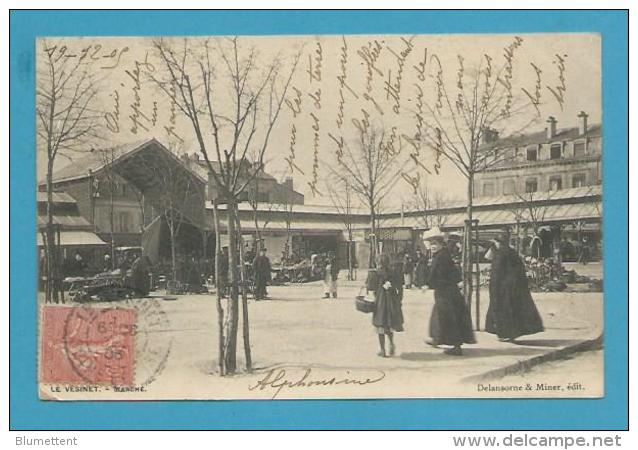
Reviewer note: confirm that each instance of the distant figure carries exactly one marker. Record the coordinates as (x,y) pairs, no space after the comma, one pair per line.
(583,258)
(262,274)
(408,268)
(78,265)
(331,273)
(108,266)
(450,323)
(141,282)
(512,312)
(420,269)
(386,283)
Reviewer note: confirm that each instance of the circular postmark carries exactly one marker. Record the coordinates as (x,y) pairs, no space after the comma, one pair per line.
(123,345)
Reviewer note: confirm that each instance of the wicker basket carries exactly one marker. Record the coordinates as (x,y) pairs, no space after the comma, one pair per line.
(363,304)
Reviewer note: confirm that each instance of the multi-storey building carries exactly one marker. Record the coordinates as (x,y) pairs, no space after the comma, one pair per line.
(548,160)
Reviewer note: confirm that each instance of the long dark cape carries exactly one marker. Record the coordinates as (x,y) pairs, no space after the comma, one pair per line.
(512,312)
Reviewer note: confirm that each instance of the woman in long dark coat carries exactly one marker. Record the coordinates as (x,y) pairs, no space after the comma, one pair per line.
(387,284)
(450,323)
(512,312)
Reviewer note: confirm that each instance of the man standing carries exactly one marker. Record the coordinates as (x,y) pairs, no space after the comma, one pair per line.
(141,276)
(408,268)
(262,273)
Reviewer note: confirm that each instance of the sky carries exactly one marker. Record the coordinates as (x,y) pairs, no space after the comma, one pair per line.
(339,84)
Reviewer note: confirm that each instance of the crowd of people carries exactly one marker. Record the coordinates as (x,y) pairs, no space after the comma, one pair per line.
(511,313)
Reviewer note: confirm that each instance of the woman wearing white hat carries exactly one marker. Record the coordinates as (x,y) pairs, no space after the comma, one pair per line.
(450,323)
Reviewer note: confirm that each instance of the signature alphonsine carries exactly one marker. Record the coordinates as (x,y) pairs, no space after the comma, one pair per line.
(277,380)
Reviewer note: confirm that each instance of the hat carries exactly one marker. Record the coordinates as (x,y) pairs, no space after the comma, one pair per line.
(433,234)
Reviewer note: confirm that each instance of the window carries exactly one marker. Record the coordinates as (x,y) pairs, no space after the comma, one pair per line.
(555,183)
(579,180)
(555,151)
(531,185)
(488,189)
(532,153)
(579,148)
(509,187)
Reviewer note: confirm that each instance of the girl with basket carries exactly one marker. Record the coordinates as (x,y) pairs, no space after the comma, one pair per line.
(386,283)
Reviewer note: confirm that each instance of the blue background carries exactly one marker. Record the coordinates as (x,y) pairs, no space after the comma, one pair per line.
(27,412)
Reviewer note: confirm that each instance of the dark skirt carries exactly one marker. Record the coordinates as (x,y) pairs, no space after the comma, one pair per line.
(512,312)
(450,322)
(387,316)
(420,274)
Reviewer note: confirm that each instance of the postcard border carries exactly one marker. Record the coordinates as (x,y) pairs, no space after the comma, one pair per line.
(27,412)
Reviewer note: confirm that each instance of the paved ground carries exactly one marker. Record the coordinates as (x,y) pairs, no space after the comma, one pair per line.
(296,331)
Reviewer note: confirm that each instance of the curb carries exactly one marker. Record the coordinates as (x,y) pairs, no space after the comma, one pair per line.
(527,364)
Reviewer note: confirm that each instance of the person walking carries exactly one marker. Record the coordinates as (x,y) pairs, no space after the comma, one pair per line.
(331,273)
(386,283)
(262,274)
(512,312)
(450,322)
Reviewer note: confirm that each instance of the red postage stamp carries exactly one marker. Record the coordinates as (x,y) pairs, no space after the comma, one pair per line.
(88,345)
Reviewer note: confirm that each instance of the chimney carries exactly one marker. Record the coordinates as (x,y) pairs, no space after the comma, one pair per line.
(551,129)
(195,157)
(288,183)
(490,135)
(582,123)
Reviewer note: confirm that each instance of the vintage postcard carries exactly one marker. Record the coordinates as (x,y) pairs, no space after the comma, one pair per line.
(319,217)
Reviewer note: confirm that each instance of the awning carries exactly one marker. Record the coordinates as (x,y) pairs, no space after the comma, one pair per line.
(75,238)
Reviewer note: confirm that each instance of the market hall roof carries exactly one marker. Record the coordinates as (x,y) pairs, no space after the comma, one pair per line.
(95,160)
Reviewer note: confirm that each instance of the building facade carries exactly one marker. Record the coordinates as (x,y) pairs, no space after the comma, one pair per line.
(264,188)
(549,160)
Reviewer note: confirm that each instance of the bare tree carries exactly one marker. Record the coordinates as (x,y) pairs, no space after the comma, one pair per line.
(254,200)
(66,123)
(340,194)
(173,187)
(371,170)
(465,118)
(109,177)
(232,106)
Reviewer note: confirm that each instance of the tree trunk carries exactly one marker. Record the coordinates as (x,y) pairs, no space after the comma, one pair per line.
(350,259)
(244,300)
(467,243)
(373,238)
(171,230)
(48,242)
(112,219)
(220,310)
(230,351)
